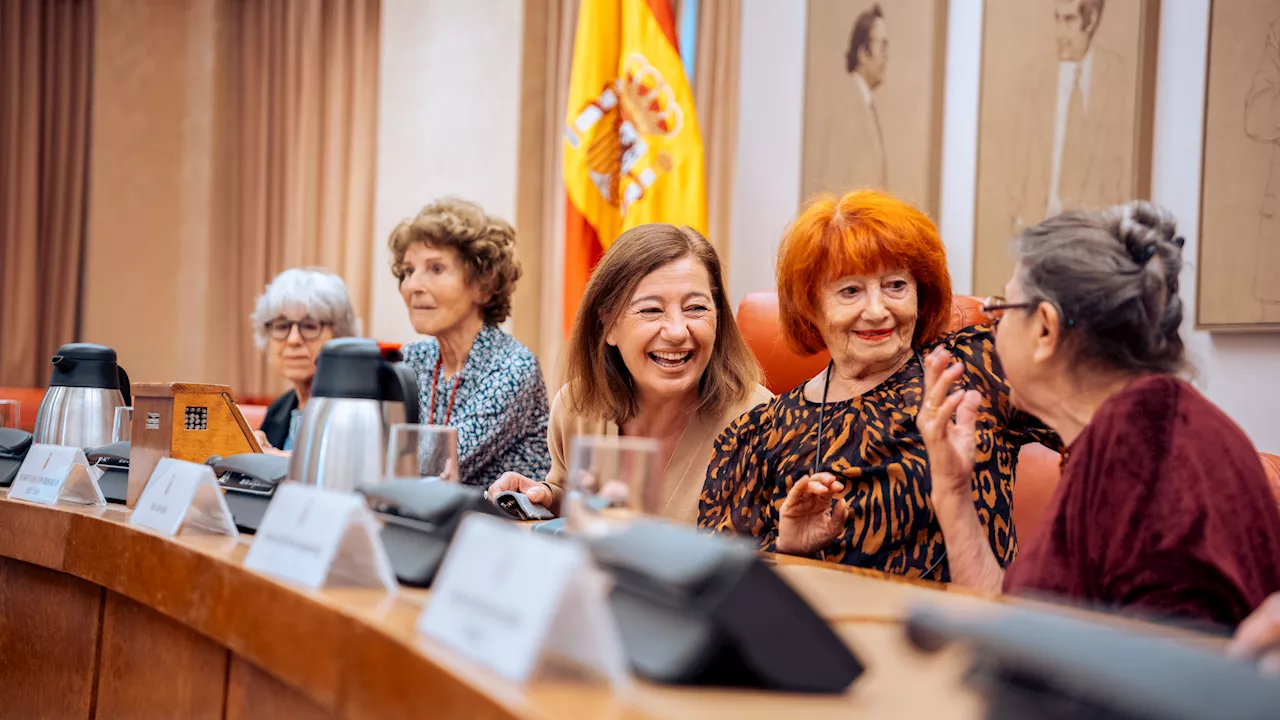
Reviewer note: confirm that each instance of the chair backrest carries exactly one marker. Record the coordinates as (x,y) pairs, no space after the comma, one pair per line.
(29,399)
(783,367)
(1271,464)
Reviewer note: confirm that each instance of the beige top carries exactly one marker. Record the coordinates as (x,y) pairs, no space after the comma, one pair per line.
(684,475)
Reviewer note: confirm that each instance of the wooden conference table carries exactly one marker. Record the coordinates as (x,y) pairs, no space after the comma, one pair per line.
(99,619)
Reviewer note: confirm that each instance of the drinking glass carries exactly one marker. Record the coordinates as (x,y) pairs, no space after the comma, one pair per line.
(611,481)
(422,452)
(122,429)
(10,414)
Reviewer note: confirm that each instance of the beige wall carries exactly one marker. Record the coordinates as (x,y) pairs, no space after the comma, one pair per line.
(448,123)
(149,288)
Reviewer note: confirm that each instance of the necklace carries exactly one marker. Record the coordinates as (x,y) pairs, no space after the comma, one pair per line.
(435,378)
(826,385)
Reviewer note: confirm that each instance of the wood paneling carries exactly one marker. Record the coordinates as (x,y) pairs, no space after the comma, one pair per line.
(182,629)
(49,632)
(155,667)
(252,693)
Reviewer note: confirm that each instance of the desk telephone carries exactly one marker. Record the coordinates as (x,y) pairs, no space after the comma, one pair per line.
(250,481)
(14,445)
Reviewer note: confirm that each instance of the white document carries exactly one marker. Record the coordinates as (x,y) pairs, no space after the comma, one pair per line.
(50,472)
(317,538)
(183,496)
(517,602)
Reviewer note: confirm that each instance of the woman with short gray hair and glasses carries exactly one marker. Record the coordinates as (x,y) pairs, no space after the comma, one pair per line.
(1163,506)
(301,310)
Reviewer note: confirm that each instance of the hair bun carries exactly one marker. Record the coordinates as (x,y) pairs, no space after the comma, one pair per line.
(1142,226)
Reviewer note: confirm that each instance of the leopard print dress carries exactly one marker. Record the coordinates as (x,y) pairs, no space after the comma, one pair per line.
(872,443)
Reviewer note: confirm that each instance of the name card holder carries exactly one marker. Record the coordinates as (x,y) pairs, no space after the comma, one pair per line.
(524,605)
(320,538)
(183,498)
(57,472)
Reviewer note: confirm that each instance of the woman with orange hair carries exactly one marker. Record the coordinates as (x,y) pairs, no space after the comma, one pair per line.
(836,469)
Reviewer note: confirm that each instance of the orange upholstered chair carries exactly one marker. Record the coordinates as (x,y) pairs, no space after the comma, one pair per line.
(1271,463)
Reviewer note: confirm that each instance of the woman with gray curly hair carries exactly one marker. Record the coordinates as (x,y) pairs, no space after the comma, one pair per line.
(1163,506)
(301,310)
(457,270)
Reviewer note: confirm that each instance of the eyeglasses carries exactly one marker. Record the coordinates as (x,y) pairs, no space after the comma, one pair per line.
(995,307)
(308,328)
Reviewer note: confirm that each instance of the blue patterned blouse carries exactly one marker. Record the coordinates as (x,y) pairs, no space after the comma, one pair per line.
(500,411)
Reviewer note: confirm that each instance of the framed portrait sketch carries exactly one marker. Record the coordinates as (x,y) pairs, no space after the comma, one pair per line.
(1064,119)
(873,92)
(1238,271)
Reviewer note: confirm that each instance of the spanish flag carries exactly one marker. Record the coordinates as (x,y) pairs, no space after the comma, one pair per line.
(632,152)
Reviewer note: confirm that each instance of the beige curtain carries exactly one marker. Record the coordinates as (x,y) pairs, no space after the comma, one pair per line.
(301,123)
(46,47)
(715,94)
(549,27)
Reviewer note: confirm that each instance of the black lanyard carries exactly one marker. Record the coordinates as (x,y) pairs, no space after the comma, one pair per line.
(822,409)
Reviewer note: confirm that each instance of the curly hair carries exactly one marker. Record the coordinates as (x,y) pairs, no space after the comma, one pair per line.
(485,243)
(863,232)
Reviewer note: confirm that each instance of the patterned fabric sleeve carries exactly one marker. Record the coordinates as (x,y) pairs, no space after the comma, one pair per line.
(738,495)
(977,347)
(507,428)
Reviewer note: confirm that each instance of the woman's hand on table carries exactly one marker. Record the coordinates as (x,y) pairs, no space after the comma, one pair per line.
(265,444)
(951,443)
(813,515)
(1258,637)
(537,492)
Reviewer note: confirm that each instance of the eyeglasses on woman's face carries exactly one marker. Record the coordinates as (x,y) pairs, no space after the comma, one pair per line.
(995,307)
(308,328)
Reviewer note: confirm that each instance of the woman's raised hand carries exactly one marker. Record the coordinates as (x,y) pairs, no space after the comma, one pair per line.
(951,442)
(813,515)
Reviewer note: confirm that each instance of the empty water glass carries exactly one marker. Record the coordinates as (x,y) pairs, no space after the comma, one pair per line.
(122,430)
(422,452)
(611,480)
(10,414)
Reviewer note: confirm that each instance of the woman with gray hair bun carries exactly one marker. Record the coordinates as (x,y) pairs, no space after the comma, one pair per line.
(1163,505)
(301,310)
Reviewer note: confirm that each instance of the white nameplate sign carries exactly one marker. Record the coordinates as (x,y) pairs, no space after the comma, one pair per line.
(53,472)
(183,496)
(319,538)
(520,603)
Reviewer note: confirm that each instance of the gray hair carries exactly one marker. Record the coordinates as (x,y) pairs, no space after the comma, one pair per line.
(316,292)
(1113,276)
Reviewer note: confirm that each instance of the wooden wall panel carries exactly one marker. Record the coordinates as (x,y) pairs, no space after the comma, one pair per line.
(252,693)
(49,629)
(155,667)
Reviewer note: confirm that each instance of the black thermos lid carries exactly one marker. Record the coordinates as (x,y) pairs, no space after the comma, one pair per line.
(348,368)
(86,365)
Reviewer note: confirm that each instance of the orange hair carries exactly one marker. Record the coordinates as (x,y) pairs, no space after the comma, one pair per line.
(862,233)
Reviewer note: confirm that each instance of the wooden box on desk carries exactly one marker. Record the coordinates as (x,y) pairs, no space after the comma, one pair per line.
(186,421)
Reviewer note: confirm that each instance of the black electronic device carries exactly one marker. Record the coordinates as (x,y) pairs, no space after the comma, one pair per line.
(519,506)
(14,445)
(250,481)
(113,461)
(1032,663)
(419,521)
(704,610)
